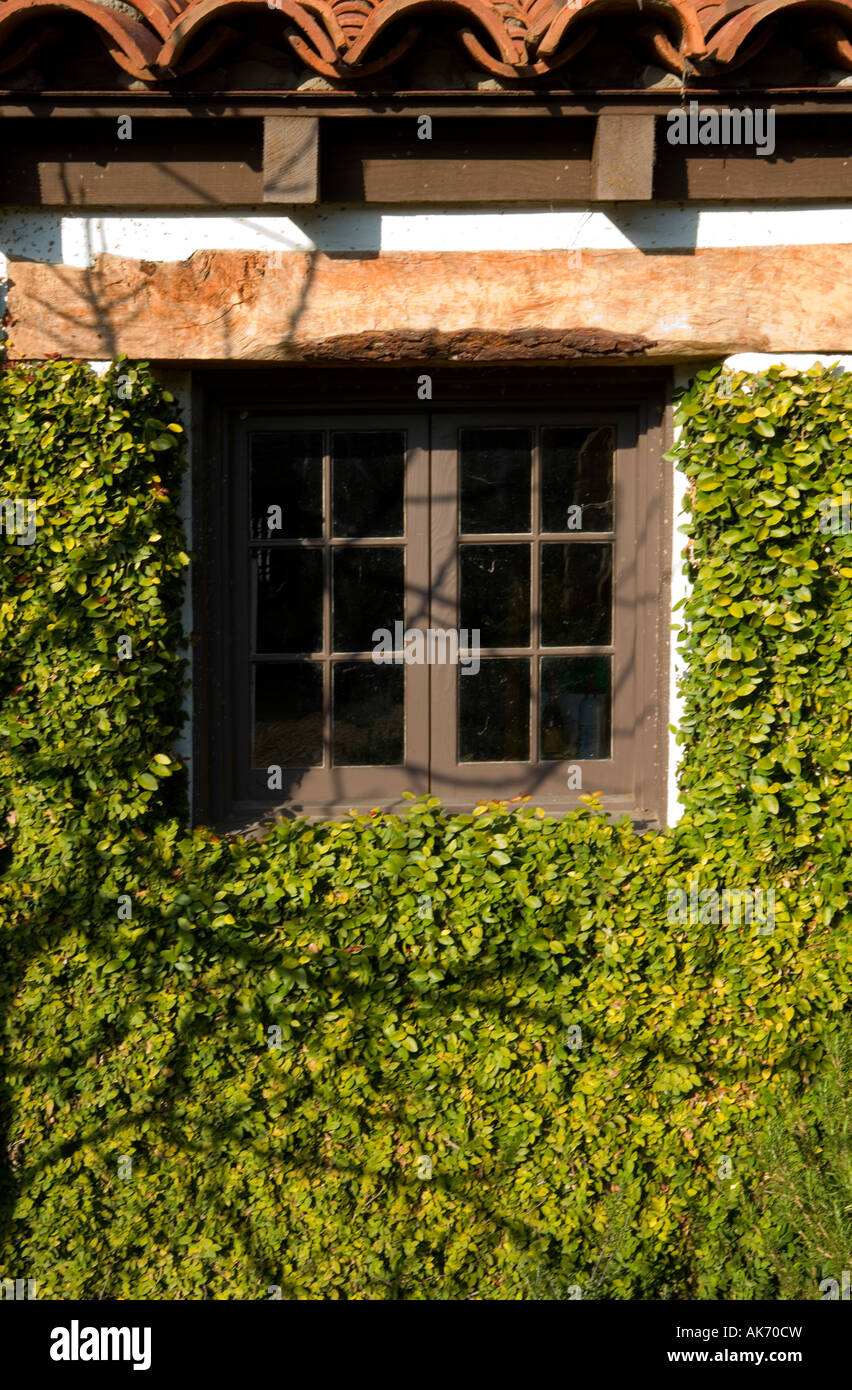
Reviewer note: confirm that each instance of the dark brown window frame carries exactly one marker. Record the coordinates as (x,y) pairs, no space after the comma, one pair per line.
(317,787)
(223,399)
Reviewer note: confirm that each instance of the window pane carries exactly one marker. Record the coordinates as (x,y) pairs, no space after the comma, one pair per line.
(576,473)
(576,693)
(368,593)
(287,600)
(287,715)
(286,485)
(494,480)
(368,483)
(494,712)
(576,595)
(494,583)
(368,714)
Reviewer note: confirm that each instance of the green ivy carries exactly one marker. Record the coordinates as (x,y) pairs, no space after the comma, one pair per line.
(421,1056)
(768,723)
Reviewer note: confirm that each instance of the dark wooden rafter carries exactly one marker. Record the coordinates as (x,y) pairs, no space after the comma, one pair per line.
(242,161)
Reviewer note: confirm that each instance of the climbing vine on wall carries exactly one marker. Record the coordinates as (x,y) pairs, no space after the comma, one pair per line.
(420,1056)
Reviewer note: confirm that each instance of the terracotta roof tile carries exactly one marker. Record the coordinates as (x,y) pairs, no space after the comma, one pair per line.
(157,41)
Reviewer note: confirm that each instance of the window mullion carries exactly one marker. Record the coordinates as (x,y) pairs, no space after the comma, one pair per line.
(535,602)
(326,599)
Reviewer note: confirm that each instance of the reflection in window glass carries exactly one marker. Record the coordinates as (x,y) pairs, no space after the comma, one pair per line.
(494,583)
(367,593)
(576,479)
(287,701)
(287,600)
(368,721)
(575,704)
(576,594)
(494,480)
(368,483)
(494,712)
(286,485)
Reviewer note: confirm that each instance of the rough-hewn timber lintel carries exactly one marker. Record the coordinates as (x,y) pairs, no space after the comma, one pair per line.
(227,306)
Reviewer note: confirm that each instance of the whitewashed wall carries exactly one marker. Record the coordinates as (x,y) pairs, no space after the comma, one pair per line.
(75,239)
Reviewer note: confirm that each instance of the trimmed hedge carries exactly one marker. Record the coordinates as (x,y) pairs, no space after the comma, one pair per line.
(501,1070)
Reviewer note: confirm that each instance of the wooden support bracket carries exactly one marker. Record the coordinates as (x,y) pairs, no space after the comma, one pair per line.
(623,157)
(290,159)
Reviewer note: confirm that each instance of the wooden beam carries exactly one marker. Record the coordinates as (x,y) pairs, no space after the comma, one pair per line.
(623,158)
(476,161)
(160,184)
(282,306)
(290,159)
(242,162)
(87,163)
(29,106)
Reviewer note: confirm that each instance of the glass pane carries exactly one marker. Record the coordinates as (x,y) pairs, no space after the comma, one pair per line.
(368,483)
(368,715)
(576,695)
(494,584)
(494,480)
(368,593)
(576,595)
(286,485)
(576,479)
(494,712)
(287,715)
(287,600)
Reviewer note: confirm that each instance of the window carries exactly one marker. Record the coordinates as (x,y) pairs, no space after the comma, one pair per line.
(334,544)
(464,602)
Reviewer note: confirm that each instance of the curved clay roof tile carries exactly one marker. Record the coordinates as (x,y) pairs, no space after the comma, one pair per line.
(391,10)
(326,38)
(352,38)
(130,43)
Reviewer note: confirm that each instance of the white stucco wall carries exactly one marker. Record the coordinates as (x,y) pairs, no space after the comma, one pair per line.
(76,238)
